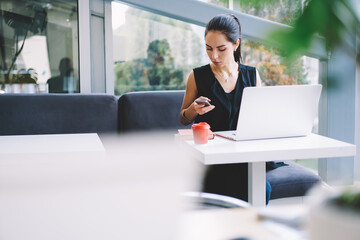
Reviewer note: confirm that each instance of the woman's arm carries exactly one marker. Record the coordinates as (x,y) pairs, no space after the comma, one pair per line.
(189,109)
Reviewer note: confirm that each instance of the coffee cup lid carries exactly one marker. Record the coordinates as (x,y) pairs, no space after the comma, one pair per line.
(201,125)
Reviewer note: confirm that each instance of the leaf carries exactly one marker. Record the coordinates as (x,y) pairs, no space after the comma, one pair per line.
(332,19)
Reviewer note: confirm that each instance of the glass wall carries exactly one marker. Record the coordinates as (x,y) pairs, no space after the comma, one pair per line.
(39,46)
(281,11)
(154,52)
(273,70)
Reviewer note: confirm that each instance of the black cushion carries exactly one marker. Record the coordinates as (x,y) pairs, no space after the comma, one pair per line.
(57,113)
(291,181)
(155,110)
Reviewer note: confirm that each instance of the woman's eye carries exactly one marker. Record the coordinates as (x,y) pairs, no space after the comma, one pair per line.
(208,49)
(221,50)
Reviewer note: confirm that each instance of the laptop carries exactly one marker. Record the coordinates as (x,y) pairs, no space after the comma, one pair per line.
(276,112)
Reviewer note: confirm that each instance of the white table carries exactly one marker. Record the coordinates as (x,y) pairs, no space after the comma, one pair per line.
(257,152)
(50,143)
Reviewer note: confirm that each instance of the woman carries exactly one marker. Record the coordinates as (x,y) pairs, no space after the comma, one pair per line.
(221,83)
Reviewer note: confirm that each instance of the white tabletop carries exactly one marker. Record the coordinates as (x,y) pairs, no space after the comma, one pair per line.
(257,152)
(50,143)
(221,150)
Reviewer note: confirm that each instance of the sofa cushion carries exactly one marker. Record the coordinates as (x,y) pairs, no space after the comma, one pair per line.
(155,110)
(291,181)
(57,113)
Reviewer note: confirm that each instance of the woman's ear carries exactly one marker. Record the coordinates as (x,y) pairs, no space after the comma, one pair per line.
(237,44)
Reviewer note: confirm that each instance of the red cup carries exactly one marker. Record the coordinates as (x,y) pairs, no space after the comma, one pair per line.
(201,132)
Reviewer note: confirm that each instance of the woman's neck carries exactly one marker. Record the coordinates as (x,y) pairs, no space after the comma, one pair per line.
(226,74)
(228,68)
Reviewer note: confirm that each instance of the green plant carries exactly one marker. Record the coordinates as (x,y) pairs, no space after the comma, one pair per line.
(334,20)
(348,199)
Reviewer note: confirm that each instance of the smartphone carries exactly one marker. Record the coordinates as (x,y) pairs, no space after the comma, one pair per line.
(202,102)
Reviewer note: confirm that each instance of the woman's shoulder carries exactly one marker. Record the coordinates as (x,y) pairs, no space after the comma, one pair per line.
(203,77)
(249,75)
(202,68)
(202,72)
(245,67)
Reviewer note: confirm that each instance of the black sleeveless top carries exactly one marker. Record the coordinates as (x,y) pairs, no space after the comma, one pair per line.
(227,105)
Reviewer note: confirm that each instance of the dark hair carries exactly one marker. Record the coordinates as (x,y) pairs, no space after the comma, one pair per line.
(229,25)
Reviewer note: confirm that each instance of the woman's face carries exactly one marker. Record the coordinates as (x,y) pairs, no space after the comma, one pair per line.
(219,49)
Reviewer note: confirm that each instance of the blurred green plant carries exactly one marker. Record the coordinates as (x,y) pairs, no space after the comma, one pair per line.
(349,199)
(334,20)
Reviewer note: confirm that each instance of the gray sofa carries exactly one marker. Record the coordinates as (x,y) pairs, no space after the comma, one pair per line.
(137,111)
(57,113)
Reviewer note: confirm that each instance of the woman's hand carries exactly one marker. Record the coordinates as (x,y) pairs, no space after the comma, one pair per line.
(201,108)
(189,109)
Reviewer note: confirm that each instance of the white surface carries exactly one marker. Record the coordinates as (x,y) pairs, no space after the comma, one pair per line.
(223,224)
(221,150)
(257,152)
(131,192)
(329,222)
(249,223)
(277,111)
(50,143)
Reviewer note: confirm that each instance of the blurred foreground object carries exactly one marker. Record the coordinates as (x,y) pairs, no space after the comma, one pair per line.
(202,200)
(335,215)
(130,190)
(335,20)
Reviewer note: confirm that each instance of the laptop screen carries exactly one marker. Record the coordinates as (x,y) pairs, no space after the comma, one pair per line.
(277,111)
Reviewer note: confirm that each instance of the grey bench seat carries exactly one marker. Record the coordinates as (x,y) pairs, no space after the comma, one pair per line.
(22,114)
(293,180)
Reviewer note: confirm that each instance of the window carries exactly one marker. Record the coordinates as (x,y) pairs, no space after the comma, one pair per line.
(272,70)
(281,11)
(39,46)
(153,52)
